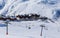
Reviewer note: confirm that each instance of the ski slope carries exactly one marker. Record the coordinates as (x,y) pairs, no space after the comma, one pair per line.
(21,29)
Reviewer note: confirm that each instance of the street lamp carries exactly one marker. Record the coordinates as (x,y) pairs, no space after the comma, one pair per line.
(7,22)
(42,26)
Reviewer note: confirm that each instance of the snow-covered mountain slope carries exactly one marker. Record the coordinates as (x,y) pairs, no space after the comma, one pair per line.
(48,8)
(19,7)
(20,29)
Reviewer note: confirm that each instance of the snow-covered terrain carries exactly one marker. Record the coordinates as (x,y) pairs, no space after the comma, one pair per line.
(47,8)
